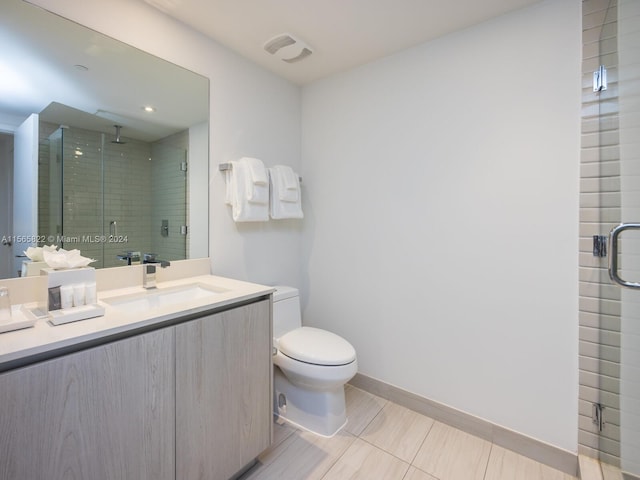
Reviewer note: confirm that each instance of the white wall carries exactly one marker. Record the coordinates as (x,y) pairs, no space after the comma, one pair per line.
(25,188)
(441,229)
(441,199)
(6,205)
(253,113)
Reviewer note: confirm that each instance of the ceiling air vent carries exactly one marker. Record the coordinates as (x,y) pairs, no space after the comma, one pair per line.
(288,48)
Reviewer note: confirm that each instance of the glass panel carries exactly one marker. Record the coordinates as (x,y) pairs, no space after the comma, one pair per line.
(629,106)
(169,194)
(82,192)
(109,195)
(128,186)
(50,187)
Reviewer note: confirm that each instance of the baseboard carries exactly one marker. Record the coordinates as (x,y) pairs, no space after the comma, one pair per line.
(530,447)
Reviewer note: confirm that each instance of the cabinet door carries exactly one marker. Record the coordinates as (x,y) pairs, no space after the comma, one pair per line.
(106,413)
(223,392)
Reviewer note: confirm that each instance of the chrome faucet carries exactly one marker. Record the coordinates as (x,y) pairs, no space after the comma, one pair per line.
(149,273)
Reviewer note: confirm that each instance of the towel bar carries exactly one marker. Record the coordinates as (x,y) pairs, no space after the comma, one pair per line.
(223,167)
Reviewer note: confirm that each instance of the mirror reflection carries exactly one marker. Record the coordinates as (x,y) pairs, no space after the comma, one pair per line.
(106,153)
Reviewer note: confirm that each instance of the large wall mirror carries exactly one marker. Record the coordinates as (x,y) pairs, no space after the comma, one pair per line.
(103,147)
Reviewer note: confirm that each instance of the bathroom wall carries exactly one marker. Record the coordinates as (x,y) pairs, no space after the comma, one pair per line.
(441,193)
(252,113)
(6,209)
(441,198)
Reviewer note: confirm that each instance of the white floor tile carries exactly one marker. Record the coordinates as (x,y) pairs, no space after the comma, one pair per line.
(362,407)
(300,456)
(507,465)
(398,430)
(415,474)
(364,461)
(451,454)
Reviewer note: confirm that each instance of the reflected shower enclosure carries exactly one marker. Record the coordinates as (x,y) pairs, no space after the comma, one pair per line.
(107,195)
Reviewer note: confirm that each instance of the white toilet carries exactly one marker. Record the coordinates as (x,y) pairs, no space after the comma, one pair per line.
(311,368)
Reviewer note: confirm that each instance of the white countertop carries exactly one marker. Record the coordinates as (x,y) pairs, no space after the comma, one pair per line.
(44,338)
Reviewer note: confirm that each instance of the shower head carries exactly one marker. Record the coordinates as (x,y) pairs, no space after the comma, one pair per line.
(117,140)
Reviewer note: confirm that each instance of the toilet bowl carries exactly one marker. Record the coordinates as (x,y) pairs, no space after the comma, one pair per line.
(311,367)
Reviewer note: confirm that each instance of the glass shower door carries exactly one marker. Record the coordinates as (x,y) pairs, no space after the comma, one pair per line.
(50,187)
(624,258)
(169,198)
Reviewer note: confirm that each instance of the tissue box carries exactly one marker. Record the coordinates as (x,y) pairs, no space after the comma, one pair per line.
(31,268)
(69,276)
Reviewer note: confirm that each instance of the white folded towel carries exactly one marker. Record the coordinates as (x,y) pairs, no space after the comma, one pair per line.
(242,209)
(257,181)
(279,208)
(290,191)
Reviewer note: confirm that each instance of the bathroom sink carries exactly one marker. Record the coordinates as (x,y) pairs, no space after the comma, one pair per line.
(162,297)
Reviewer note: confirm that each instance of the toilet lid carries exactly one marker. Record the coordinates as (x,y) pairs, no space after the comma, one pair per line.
(319,347)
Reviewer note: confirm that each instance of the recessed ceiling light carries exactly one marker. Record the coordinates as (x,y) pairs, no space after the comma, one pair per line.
(148,109)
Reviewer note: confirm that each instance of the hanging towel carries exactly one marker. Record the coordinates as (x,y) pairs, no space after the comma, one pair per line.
(279,208)
(241,208)
(257,181)
(290,191)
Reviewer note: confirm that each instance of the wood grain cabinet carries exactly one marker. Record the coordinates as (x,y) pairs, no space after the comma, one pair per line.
(223,392)
(106,413)
(188,401)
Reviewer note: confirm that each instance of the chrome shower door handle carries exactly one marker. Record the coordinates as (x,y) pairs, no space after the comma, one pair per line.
(613,254)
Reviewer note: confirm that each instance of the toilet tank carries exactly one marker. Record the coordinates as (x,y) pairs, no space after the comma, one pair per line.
(286,310)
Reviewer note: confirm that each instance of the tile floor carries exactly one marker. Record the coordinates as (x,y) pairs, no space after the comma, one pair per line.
(386,441)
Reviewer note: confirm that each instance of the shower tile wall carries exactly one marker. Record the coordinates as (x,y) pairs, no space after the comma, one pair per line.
(126,173)
(127,198)
(170,200)
(142,184)
(600,202)
(127,192)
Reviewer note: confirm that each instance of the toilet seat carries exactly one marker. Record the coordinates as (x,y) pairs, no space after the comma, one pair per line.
(317,347)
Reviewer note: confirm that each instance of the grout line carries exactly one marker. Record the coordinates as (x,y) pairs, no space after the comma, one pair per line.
(423,440)
(486,468)
(340,457)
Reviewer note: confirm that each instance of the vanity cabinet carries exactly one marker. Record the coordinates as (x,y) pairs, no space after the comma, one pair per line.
(189,400)
(105,413)
(223,392)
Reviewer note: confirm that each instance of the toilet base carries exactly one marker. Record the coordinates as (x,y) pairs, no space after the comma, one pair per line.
(321,412)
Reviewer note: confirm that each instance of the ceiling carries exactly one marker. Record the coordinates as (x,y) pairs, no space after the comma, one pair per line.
(341,33)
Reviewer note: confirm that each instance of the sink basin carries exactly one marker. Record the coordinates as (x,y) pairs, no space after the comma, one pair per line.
(162,297)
